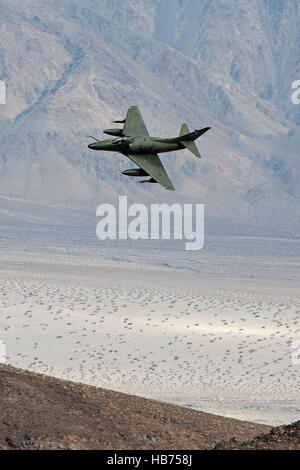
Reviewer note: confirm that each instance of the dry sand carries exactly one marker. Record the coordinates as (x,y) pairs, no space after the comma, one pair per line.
(219,345)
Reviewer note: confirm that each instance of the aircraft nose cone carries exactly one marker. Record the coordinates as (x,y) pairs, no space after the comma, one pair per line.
(91,146)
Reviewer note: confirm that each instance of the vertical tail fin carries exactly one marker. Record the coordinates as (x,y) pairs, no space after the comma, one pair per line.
(186,138)
(184,129)
(189,144)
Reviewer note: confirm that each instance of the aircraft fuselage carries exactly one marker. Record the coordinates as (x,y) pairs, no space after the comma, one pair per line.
(137,145)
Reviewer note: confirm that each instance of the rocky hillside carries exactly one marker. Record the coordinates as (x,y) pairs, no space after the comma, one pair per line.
(280,438)
(41,412)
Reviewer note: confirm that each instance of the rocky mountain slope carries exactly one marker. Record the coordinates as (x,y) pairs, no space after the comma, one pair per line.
(41,412)
(280,438)
(70,68)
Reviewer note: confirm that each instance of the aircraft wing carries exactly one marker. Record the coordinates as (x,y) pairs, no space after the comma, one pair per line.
(134,123)
(153,166)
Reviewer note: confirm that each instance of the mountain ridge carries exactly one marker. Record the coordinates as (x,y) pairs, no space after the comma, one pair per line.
(43,412)
(91,64)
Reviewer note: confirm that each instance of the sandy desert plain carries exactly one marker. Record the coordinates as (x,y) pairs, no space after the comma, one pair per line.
(210,330)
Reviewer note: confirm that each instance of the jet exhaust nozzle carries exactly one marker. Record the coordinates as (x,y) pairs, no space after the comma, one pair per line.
(135,172)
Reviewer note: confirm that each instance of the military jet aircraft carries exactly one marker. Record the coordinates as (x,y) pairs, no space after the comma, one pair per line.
(134,142)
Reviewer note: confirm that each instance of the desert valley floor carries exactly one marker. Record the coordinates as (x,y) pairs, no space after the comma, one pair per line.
(213,343)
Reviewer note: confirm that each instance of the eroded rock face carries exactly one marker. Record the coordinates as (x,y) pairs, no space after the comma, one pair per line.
(279,438)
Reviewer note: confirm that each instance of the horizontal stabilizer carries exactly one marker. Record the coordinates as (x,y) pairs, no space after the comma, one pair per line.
(191,146)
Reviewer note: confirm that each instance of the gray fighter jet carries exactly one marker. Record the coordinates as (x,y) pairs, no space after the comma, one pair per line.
(134,142)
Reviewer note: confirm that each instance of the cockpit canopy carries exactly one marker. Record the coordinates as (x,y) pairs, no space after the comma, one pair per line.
(119,141)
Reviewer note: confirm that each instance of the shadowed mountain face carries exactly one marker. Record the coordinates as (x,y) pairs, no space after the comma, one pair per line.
(280,438)
(40,412)
(70,68)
